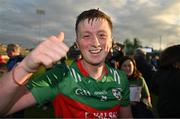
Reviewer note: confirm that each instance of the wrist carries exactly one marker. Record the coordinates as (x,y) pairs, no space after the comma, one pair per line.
(20,75)
(25,67)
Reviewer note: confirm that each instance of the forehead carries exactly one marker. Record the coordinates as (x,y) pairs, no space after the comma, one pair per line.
(128,62)
(94,24)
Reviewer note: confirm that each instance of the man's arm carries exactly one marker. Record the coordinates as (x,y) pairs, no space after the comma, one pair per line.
(13,94)
(125,112)
(26,100)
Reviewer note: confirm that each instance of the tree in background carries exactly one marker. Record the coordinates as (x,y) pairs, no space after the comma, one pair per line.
(130,46)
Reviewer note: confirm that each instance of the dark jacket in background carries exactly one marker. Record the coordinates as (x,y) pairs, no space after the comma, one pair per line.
(167,83)
(12,61)
(146,69)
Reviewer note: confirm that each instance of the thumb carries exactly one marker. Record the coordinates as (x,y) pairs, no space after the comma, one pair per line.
(60,36)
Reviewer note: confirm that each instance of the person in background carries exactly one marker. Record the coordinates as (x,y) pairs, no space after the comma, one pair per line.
(155,61)
(14,53)
(115,54)
(147,70)
(139,92)
(167,83)
(3,59)
(88,88)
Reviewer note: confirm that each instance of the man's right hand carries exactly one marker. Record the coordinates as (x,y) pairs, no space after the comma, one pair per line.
(46,53)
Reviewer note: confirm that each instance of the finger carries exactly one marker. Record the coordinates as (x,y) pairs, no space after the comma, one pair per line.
(49,62)
(63,47)
(54,43)
(55,55)
(60,36)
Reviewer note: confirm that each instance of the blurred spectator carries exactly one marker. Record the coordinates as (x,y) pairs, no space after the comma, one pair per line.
(139,92)
(155,61)
(14,53)
(167,83)
(144,67)
(115,54)
(3,59)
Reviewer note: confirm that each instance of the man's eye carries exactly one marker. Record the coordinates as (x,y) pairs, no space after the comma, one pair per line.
(102,35)
(86,36)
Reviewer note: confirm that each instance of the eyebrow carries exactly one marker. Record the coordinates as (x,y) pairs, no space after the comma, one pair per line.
(97,32)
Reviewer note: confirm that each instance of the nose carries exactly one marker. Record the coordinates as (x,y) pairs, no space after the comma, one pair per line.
(95,41)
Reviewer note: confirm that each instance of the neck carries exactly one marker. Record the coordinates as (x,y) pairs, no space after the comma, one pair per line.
(95,71)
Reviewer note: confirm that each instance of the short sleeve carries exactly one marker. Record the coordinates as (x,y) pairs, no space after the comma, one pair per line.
(45,86)
(145,90)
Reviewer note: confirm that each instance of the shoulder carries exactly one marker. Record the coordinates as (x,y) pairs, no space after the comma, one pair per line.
(20,58)
(120,72)
(117,74)
(141,79)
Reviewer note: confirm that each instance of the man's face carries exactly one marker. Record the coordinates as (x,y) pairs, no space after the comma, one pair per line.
(94,40)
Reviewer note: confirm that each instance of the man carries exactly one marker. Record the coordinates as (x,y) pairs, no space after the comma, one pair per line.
(86,89)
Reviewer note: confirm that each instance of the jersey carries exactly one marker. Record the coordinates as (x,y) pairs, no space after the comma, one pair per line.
(77,95)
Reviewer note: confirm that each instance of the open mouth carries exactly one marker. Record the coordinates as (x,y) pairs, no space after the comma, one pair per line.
(95,51)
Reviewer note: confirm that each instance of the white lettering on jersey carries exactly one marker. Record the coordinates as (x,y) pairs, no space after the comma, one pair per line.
(82,92)
(101,115)
(103,92)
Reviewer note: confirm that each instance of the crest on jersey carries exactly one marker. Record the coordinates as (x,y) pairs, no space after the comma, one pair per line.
(117,93)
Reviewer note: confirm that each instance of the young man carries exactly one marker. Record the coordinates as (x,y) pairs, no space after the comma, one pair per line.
(86,89)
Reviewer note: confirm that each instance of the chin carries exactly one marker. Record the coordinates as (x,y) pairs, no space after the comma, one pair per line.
(96,62)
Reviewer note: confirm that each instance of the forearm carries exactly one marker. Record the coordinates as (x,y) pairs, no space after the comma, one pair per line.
(147,101)
(9,89)
(12,82)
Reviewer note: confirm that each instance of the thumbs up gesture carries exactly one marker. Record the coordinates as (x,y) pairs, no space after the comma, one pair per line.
(46,53)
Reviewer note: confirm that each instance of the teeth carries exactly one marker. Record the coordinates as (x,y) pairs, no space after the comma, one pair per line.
(96,51)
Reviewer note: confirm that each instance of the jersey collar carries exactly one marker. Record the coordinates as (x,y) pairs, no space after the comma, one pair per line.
(83,71)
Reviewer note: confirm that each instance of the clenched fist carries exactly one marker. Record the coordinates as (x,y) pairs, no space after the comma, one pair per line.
(46,53)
